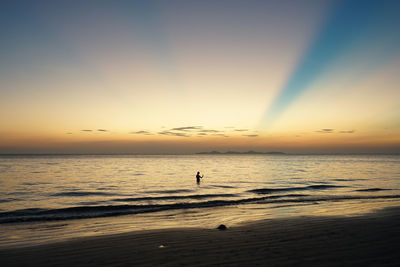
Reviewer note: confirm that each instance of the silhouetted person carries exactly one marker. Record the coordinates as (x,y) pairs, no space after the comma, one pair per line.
(198,177)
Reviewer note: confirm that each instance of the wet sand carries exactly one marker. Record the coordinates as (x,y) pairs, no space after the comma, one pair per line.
(368,240)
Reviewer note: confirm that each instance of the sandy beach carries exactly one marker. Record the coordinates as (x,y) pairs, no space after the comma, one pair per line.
(370,239)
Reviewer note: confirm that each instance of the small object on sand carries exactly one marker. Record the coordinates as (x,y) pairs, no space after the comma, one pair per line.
(161,246)
(222,227)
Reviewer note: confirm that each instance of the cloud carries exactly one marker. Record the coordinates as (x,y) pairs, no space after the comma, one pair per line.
(184,131)
(86,130)
(250,135)
(187,131)
(347,132)
(69,133)
(187,128)
(174,134)
(209,131)
(141,132)
(102,130)
(325,131)
(241,130)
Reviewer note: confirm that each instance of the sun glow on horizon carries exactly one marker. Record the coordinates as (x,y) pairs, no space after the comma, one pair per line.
(190,76)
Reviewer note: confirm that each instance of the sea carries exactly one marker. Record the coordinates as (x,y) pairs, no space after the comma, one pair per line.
(51,198)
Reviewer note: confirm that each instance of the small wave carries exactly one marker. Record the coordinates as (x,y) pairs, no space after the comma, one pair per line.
(29,183)
(348,179)
(322,186)
(41,227)
(111,187)
(8,200)
(286,189)
(17,193)
(36,214)
(38,183)
(81,194)
(372,190)
(28,215)
(223,186)
(132,199)
(169,191)
(91,203)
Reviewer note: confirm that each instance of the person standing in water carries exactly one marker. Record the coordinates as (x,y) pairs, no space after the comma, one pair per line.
(198,177)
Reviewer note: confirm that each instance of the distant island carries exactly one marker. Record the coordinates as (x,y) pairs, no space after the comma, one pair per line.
(214,152)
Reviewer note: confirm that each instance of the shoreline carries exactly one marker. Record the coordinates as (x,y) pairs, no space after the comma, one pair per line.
(370,239)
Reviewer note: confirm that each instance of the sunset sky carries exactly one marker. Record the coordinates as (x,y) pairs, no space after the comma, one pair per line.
(308,76)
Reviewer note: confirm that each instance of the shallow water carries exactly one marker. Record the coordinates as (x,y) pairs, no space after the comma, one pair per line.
(50,197)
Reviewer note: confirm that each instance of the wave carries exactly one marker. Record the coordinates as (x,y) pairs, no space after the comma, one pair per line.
(4,200)
(286,189)
(132,199)
(38,183)
(81,194)
(169,191)
(222,186)
(29,215)
(372,189)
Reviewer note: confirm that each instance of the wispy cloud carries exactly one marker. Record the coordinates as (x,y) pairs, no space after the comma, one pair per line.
(250,135)
(241,130)
(187,128)
(220,134)
(347,132)
(325,131)
(142,132)
(98,130)
(187,131)
(174,133)
(209,131)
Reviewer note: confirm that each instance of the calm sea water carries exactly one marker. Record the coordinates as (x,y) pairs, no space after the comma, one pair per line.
(48,198)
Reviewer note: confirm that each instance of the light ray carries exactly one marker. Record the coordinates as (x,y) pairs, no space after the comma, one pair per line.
(351,23)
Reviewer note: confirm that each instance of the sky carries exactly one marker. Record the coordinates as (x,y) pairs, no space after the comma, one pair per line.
(166,77)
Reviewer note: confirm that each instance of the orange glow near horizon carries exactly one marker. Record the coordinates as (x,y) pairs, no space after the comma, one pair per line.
(322,141)
(185,77)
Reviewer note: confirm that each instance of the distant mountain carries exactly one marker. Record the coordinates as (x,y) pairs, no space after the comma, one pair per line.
(251,152)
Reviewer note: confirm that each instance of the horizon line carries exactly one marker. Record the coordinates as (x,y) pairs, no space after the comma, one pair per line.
(273,153)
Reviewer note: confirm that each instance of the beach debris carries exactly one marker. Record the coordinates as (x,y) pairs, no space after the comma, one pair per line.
(161,246)
(222,227)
